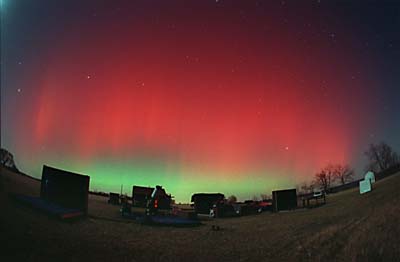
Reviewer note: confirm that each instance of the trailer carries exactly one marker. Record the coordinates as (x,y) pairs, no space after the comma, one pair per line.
(204,202)
(140,195)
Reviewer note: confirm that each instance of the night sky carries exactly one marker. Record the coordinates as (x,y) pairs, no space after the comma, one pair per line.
(238,97)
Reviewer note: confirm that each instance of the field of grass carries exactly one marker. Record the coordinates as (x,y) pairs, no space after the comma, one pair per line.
(350,227)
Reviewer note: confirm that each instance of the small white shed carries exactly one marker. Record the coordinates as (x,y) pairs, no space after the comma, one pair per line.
(365,186)
(370,176)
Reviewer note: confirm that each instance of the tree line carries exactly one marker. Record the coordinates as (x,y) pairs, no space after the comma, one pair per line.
(380,157)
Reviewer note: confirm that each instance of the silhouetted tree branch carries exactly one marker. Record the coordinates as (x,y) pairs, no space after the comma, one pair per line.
(381,157)
(343,173)
(325,177)
(265,196)
(232,199)
(305,188)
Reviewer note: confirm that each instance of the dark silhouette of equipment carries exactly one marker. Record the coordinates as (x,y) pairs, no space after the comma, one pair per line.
(158,200)
(204,202)
(114,199)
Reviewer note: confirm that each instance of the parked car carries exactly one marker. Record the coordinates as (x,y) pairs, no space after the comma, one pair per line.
(265,205)
(317,193)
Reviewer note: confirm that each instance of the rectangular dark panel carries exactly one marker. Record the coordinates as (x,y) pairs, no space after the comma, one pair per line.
(65,188)
(284,199)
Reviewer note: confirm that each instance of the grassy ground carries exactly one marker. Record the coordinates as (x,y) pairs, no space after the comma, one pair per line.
(350,227)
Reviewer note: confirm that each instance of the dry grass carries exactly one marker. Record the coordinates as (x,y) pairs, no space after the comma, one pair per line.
(350,227)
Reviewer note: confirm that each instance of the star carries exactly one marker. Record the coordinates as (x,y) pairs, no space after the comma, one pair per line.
(287,148)
(88,76)
(19,90)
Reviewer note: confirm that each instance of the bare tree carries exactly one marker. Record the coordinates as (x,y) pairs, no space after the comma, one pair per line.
(343,173)
(265,196)
(255,198)
(7,159)
(232,199)
(306,187)
(325,177)
(381,157)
